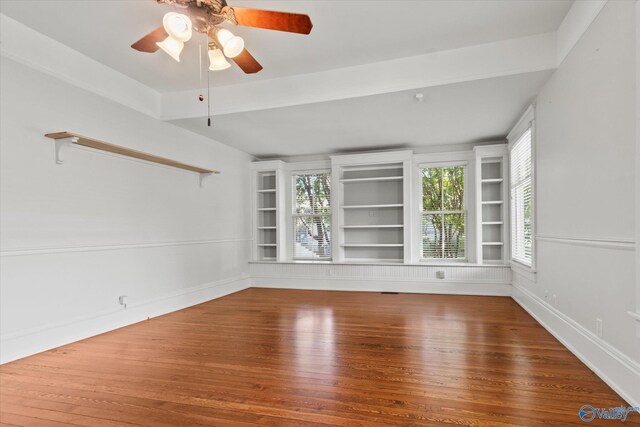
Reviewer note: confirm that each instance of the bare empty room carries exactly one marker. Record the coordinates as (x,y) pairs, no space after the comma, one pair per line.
(319,213)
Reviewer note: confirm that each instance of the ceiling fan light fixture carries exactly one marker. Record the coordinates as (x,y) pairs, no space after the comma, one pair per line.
(172,47)
(178,26)
(217,61)
(232,45)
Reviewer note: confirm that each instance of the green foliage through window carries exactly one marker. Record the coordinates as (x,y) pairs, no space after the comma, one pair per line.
(443,214)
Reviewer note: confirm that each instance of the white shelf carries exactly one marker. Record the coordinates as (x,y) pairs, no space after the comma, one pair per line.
(493,223)
(372,179)
(267,228)
(268,190)
(372,245)
(374,226)
(492,180)
(392,205)
(267,245)
(266,209)
(492,243)
(492,202)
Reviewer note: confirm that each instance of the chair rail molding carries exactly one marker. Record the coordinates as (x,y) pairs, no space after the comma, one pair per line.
(602,242)
(94,248)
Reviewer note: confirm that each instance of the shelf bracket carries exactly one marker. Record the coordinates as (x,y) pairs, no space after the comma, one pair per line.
(202,177)
(60,148)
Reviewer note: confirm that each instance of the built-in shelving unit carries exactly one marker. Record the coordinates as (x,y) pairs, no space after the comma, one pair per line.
(268,201)
(372,194)
(491,164)
(267,216)
(64,139)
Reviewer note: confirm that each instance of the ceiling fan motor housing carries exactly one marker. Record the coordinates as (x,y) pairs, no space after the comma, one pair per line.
(204,14)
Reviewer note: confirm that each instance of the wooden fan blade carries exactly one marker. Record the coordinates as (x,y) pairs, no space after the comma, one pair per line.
(271,20)
(148,42)
(247,62)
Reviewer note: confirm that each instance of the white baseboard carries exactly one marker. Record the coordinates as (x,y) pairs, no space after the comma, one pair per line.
(387,285)
(616,369)
(29,342)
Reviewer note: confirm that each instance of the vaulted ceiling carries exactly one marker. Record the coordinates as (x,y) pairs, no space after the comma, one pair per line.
(348,85)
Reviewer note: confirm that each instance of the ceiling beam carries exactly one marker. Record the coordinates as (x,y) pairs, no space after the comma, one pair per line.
(33,49)
(503,58)
(574,25)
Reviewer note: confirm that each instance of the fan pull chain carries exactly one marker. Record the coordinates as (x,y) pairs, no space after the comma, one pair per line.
(208,100)
(201,97)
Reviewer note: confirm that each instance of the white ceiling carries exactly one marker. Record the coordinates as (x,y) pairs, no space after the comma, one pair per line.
(481,110)
(346,32)
(369,33)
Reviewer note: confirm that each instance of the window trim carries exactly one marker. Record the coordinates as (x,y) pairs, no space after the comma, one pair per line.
(526,122)
(421,213)
(293,214)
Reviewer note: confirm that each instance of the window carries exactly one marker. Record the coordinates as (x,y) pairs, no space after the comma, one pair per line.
(312,216)
(443,214)
(522,199)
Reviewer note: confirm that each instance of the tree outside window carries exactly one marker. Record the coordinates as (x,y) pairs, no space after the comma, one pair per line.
(312,216)
(443,214)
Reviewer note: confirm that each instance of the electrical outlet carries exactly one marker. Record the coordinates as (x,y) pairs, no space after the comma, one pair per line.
(599,327)
(122,300)
(329,271)
(440,274)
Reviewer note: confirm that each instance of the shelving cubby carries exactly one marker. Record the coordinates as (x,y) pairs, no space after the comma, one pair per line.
(267,187)
(492,202)
(266,240)
(372,214)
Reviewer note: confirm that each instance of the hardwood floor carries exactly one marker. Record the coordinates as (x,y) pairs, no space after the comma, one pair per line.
(312,358)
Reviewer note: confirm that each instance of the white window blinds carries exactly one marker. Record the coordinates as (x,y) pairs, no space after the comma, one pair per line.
(443,213)
(312,216)
(521,199)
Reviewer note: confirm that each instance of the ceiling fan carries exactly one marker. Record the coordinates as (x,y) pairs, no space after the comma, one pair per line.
(206,16)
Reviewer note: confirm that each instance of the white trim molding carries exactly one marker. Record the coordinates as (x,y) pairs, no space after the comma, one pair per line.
(620,372)
(599,242)
(94,248)
(28,342)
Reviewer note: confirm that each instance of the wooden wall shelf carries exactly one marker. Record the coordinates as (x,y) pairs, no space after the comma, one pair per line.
(64,139)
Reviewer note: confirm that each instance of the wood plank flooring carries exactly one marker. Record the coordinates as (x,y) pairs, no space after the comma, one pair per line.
(312,358)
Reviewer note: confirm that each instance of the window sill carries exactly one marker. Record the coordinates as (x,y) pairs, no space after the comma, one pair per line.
(399,264)
(524,270)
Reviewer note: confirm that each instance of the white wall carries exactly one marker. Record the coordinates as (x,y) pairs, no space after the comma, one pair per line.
(76,236)
(637,112)
(586,217)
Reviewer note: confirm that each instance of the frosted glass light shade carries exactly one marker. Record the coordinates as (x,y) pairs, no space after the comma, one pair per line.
(172,46)
(178,26)
(217,61)
(231,45)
